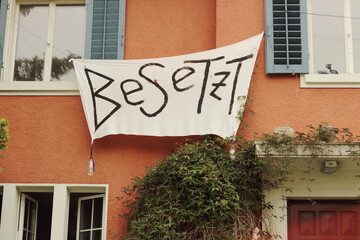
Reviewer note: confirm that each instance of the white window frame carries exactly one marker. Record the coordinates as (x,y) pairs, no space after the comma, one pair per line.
(22,214)
(342,80)
(79,217)
(60,211)
(46,87)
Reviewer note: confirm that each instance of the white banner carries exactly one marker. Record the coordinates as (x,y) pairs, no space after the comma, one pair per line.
(194,94)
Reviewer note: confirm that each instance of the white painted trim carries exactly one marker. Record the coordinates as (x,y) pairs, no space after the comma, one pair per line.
(330,80)
(39,88)
(60,209)
(49,43)
(8,228)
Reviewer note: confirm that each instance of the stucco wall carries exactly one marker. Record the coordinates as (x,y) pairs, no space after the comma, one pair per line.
(49,137)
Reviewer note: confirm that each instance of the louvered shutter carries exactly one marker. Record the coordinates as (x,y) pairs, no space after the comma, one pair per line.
(286,36)
(105,29)
(3,10)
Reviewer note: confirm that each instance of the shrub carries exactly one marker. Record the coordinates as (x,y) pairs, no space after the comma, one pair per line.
(200,192)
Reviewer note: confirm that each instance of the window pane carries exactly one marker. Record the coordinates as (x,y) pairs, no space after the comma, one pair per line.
(85,235)
(68,41)
(355,13)
(32,216)
(26,215)
(31,43)
(98,209)
(85,214)
(1,200)
(31,236)
(328,35)
(24,235)
(96,235)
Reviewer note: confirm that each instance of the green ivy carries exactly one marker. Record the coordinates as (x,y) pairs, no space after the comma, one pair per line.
(4,136)
(201,192)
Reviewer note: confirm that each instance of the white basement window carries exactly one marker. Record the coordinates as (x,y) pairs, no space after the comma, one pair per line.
(58,211)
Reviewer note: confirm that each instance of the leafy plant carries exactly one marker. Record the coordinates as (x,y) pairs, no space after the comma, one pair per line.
(201,192)
(4,136)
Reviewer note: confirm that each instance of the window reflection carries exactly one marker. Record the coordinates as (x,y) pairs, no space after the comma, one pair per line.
(68,41)
(31,43)
(33,51)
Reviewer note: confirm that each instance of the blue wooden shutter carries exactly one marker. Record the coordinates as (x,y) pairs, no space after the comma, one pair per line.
(105,29)
(3,10)
(286,36)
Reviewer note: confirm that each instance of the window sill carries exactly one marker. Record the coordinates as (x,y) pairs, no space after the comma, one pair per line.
(330,81)
(39,88)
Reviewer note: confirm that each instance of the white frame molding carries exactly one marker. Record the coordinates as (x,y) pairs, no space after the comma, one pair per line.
(60,212)
(330,80)
(345,80)
(46,87)
(22,214)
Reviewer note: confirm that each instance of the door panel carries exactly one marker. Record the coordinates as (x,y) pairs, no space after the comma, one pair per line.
(324,221)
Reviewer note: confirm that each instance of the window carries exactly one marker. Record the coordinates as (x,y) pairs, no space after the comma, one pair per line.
(37,212)
(86,216)
(330,54)
(335,36)
(41,37)
(43,47)
(90,215)
(28,217)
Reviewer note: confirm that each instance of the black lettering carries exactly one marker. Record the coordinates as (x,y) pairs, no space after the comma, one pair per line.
(154,114)
(206,76)
(239,61)
(96,94)
(176,81)
(126,93)
(219,84)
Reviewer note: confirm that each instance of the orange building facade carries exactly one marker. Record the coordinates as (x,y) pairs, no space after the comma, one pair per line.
(48,153)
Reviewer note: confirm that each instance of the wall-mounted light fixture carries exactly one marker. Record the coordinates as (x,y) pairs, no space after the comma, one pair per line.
(329,166)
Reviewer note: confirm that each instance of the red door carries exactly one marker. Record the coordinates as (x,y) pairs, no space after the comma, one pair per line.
(324,220)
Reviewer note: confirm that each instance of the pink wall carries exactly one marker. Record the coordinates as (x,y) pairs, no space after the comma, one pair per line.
(49,136)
